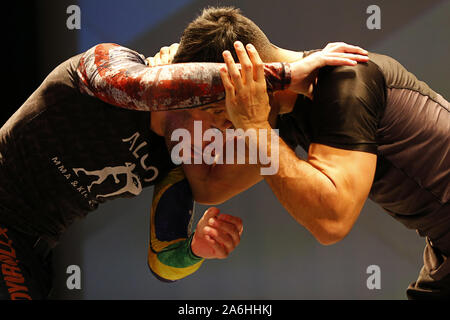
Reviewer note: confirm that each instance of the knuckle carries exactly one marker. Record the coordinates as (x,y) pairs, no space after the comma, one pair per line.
(247,66)
(228,86)
(235,74)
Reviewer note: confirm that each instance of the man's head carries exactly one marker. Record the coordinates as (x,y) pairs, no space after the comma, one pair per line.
(216,30)
(205,39)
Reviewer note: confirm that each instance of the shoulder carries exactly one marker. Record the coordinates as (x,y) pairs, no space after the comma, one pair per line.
(343,78)
(106,54)
(363,83)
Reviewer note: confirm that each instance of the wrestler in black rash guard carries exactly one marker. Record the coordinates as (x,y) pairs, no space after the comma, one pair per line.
(381,108)
(84,138)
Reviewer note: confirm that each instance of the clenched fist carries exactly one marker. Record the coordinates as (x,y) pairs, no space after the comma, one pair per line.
(217,235)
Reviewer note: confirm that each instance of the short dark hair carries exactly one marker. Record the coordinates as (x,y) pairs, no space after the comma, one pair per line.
(216,30)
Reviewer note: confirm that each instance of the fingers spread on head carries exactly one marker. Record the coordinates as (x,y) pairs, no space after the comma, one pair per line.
(244,60)
(344,47)
(258,65)
(227,84)
(351,56)
(233,70)
(338,61)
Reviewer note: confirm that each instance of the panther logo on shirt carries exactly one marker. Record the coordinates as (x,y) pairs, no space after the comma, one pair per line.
(120,178)
(132,182)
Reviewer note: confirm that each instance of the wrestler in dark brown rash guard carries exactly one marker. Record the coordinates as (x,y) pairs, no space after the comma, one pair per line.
(381,108)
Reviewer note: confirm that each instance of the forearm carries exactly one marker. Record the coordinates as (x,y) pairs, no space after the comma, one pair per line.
(216,183)
(231,179)
(119,76)
(224,181)
(308,194)
(220,181)
(319,192)
(174,261)
(169,256)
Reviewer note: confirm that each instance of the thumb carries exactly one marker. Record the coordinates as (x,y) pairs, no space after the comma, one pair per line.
(211,213)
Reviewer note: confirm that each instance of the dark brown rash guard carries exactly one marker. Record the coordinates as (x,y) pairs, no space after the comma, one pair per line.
(381,108)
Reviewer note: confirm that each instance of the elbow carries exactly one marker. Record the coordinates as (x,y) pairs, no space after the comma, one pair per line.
(208,199)
(334,228)
(331,232)
(210,195)
(336,220)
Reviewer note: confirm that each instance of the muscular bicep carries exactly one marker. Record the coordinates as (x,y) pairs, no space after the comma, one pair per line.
(351,173)
(348,105)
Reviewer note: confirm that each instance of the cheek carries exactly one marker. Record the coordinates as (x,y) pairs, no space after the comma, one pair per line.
(222,117)
(209,117)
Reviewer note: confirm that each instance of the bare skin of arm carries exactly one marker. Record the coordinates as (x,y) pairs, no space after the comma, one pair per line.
(326,192)
(214,184)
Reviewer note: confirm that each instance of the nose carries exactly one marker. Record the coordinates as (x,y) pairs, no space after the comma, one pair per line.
(227,124)
(224,124)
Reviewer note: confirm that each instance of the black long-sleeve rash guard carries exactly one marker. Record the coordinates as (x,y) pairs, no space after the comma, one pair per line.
(81,138)
(118,76)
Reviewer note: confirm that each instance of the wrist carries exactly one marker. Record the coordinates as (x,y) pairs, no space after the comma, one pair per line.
(191,252)
(256,125)
(255,132)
